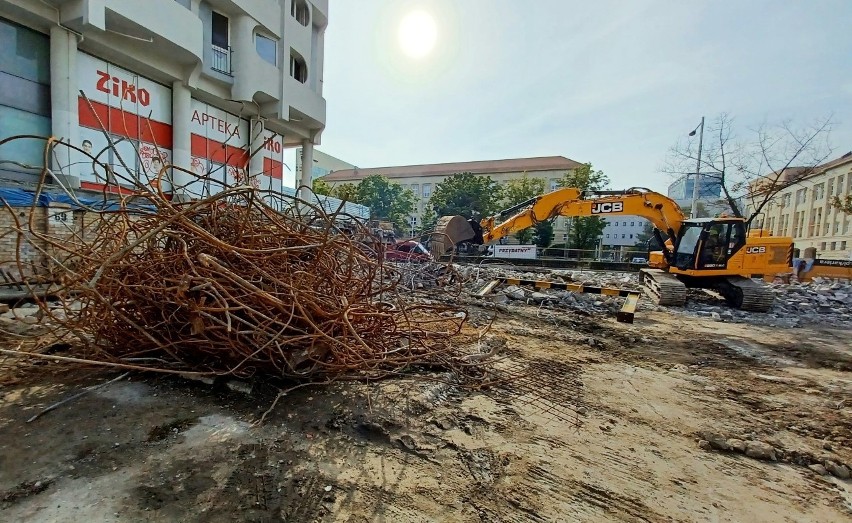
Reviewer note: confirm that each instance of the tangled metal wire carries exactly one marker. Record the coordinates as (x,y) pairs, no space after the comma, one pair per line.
(244,282)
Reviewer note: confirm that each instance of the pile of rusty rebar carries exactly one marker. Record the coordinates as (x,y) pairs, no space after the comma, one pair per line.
(240,283)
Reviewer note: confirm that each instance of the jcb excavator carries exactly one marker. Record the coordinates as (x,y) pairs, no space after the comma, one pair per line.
(715,253)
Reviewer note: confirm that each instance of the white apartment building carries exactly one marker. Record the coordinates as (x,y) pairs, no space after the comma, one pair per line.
(804,210)
(197,83)
(622,231)
(422,179)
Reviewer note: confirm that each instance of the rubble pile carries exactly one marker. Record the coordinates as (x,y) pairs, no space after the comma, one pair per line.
(820,301)
(823,300)
(475,277)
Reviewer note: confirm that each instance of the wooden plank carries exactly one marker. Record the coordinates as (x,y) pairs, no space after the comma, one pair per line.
(628,310)
(488,287)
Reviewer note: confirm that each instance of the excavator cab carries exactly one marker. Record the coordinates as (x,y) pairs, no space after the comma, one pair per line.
(708,243)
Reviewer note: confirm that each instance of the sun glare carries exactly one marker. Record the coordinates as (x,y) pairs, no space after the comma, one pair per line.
(417,34)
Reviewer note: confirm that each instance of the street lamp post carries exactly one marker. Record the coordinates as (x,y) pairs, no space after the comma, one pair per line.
(697,180)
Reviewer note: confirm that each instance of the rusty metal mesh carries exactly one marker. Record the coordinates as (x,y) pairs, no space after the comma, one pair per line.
(245,282)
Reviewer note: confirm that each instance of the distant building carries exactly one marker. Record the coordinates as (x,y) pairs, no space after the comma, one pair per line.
(324,164)
(622,231)
(804,211)
(422,179)
(682,188)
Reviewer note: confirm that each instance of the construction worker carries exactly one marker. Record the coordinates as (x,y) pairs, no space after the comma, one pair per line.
(713,248)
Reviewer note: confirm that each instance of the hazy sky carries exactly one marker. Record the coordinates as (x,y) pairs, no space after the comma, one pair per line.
(615,83)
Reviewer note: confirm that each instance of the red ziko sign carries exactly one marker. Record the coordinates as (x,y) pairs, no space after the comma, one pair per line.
(117,87)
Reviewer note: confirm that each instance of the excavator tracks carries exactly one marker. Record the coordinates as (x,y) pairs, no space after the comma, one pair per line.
(662,287)
(747,294)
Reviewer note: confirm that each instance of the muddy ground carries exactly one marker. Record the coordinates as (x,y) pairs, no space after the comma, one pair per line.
(612,423)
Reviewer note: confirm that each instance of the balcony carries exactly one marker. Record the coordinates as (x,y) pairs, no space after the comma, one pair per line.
(221,59)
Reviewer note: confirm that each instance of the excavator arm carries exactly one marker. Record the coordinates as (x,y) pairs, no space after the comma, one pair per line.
(661,211)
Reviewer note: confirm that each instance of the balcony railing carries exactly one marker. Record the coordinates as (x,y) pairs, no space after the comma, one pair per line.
(221,59)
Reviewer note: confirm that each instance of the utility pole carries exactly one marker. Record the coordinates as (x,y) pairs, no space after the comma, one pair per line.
(697,180)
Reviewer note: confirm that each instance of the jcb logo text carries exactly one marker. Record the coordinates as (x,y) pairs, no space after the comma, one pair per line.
(756,250)
(607,207)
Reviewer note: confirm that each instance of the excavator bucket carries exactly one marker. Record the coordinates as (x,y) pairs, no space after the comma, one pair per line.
(448,232)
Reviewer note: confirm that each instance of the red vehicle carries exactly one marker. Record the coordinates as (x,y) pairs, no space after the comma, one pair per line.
(407,251)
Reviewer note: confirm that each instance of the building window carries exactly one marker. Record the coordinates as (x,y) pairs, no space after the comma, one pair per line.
(300,11)
(415,188)
(565,237)
(220,40)
(266,48)
(785,201)
(633,224)
(631,236)
(822,246)
(554,184)
(298,68)
(607,235)
(819,191)
(843,246)
(833,245)
(801,195)
(24,94)
(427,190)
(839,185)
(622,236)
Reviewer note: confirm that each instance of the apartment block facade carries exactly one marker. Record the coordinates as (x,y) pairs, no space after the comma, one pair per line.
(804,210)
(195,83)
(422,179)
(622,231)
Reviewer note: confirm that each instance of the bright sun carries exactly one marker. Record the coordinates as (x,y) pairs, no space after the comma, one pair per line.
(417,34)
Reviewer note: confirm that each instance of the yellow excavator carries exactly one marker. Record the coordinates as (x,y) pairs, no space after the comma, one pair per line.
(712,253)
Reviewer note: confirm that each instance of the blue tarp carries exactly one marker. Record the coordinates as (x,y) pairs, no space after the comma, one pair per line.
(23,198)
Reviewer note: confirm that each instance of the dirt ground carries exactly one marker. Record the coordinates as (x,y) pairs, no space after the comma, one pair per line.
(605,427)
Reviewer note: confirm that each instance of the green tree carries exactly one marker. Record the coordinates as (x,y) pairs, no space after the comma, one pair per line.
(387,201)
(524,236)
(522,189)
(543,234)
(467,195)
(648,234)
(518,191)
(584,232)
(429,219)
(321,187)
(346,191)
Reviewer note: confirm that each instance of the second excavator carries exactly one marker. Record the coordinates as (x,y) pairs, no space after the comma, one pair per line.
(713,253)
